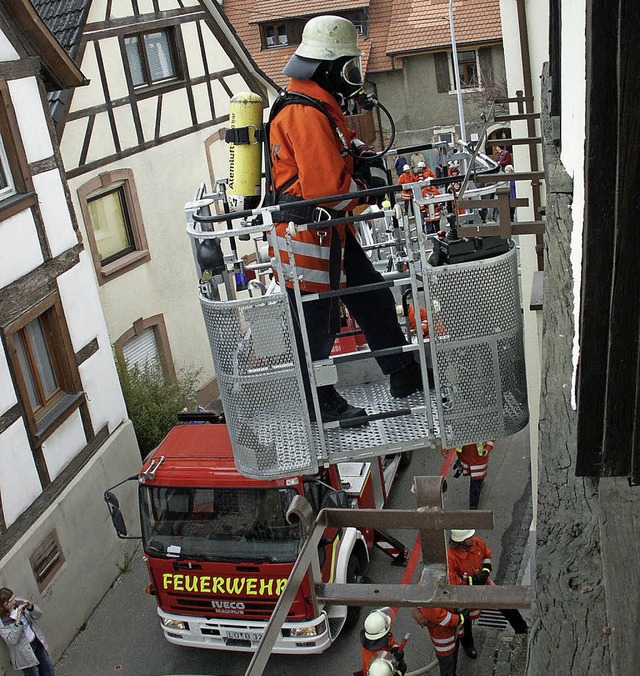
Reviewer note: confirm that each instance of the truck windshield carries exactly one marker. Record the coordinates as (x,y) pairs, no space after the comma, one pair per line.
(219,524)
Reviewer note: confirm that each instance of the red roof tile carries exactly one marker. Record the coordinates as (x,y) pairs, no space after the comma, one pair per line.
(269,10)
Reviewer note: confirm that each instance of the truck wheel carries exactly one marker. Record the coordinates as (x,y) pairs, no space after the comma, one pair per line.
(354,576)
(405,459)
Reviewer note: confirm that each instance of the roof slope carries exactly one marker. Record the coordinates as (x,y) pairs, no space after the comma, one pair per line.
(65,19)
(424,24)
(266,10)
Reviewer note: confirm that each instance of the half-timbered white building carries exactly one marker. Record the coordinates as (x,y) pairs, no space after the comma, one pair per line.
(64,432)
(135,143)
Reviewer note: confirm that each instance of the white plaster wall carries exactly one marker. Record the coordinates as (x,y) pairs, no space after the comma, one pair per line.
(19,247)
(55,211)
(538,33)
(27,104)
(64,444)
(573,120)
(126,126)
(91,94)
(175,112)
(145,6)
(112,58)
(71,142)
(81,302)
(7,393)
(102,143)
(192,48)
(19,482)
(168,283)
(7,52)
(217,58)
(91,549)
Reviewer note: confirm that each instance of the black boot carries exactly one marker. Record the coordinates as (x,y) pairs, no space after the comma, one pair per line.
(515,619)
(467,640)
(406,381)
(475,488)
(335,408)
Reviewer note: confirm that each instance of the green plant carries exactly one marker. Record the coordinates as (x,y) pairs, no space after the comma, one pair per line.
(153,400)
(127,564)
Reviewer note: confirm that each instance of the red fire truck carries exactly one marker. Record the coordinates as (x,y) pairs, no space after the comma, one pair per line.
(219,549)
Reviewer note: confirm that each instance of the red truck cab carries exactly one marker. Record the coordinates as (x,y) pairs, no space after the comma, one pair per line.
(219,549)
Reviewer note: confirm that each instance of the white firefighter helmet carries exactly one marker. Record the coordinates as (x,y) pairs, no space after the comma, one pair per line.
(382,665)
(421,165)
(326,38)
(406,167)
(377,624)
(462,535)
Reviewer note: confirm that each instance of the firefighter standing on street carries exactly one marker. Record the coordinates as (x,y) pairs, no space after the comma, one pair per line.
(314,153)
(407,195)
(469,562)
(473,461)
(445,628)
(376,636)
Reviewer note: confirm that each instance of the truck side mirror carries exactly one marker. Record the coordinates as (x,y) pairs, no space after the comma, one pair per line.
(117,519)
(335,500)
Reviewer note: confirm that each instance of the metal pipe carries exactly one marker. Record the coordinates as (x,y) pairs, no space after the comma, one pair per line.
(456,72)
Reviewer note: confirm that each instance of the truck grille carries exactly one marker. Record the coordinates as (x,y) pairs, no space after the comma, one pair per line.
(237,643)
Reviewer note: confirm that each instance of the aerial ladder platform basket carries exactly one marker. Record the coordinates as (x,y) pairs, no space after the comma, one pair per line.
(474,349)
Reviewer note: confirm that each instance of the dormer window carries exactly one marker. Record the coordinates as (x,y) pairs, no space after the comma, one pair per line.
(275,35)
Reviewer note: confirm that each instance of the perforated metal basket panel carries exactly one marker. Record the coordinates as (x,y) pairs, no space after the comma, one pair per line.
(260,385)
(479,349)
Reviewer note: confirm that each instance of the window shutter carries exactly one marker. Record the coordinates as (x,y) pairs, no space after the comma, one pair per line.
(142,350)
(486,66)
(441,60)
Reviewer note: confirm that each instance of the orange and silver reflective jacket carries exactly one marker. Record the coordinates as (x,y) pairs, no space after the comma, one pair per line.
(443,629)
(474,459)
(309,158)
(465,563)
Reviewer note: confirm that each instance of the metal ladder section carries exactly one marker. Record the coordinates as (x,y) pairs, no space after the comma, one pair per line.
(475,349)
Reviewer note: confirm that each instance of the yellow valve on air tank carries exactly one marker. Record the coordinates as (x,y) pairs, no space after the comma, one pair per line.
(244,137)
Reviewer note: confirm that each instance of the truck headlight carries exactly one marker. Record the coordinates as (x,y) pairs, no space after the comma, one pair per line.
(296,632)
(174,624)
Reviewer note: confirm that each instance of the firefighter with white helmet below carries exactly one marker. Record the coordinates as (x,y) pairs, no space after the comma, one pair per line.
(386,664)
(313,154)
(469,562)
(376,636)
(406,176)
(473,461)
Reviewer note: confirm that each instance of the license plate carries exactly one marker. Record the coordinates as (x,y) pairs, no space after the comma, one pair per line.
(242,635)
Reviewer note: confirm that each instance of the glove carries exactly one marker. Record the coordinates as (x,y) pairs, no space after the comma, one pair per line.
(365,158)
(402,668)
(397,653)
(461,619)
(482,577)
(457,469)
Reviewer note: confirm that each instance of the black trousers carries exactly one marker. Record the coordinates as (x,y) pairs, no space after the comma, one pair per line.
(375,312)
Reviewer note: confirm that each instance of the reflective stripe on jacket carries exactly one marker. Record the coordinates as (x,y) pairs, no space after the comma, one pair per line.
(474,459)
(406,177)
(442,629)
(307,152)
(465,563)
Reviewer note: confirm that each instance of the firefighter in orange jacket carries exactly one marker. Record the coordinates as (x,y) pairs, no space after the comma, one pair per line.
(407,194)
(445,628)
(469,562)
(314,153)
(473,461)
(376,636)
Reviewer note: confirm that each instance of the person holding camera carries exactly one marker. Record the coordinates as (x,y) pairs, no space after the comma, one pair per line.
(26,642)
